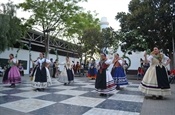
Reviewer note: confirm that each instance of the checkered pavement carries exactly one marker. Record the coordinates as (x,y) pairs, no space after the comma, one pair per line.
(79,98)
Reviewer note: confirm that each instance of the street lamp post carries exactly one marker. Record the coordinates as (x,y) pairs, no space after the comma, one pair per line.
(29,54)
(56,51)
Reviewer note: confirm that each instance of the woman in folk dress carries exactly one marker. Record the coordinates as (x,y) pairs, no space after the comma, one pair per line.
(118,73)
(104,83)
(92,72)
(41,77)
(67,75)
(155,81)
(12,74)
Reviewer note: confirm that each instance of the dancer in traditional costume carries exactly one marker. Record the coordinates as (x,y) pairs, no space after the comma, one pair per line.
(155,81)
(67,75)
(41,77)
(118,72)
(12,74)
(104,82)
(92,72)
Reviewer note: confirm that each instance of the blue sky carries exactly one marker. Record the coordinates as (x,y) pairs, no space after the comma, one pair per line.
(104,8)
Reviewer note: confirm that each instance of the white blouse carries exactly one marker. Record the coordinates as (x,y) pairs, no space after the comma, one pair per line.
(41,61)
(164,59)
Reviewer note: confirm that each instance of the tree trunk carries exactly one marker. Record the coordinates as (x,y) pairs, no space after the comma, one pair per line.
(85,59)
(80,56)
(46,45)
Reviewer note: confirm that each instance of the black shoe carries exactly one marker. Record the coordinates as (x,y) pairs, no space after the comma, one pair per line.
(146,97)
(102,94)
(12,85)
(65,83)
(159,97)
(118,88)
(42,89)
(154,97)
(35,89)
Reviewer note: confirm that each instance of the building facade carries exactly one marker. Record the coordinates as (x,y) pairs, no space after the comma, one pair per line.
(32,44)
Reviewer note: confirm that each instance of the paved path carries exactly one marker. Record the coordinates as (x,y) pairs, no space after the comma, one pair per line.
(80,98)
(160,107)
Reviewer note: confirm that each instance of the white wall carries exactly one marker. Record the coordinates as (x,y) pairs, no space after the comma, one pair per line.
(24,55)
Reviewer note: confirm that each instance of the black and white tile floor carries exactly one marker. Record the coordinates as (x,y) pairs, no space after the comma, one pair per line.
(79,98)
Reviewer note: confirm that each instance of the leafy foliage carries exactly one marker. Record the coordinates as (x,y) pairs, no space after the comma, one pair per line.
(81,22)
(81,26)
(51,13)
(147,24)
(11,28)
(94,40)
(109,38)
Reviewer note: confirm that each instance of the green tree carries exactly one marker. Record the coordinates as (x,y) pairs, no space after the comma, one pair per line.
(94,40)
(90,39)
(51,15)
(11,28)
(80,24)
(147,24)
(109,38)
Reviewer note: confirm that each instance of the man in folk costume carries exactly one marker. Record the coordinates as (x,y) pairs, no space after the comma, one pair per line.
(118,72)
(155,81)
(104,82)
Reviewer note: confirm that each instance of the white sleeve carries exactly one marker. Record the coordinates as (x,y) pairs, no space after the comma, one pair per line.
(108,62)
(36,62)
(150,58)
(14,60)
(120,61)
(48,61)
(165,58)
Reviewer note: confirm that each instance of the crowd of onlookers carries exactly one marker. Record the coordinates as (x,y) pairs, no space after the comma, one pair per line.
(142,69)
(54,68)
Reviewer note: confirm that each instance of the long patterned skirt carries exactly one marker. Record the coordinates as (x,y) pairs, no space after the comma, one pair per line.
(92,73)
(66,76)
(12,75)
(155,81)
(104,82)
(119,76)
(41,78)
